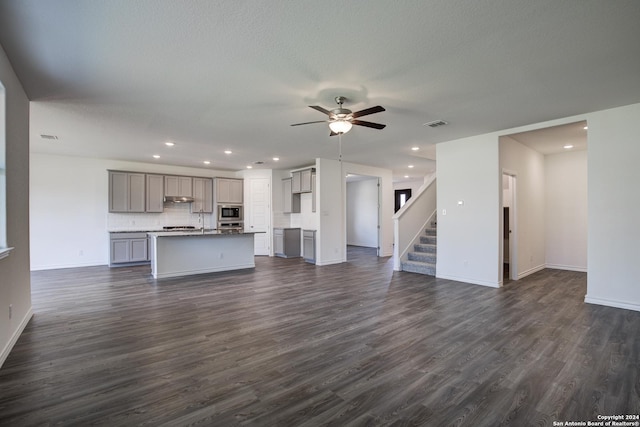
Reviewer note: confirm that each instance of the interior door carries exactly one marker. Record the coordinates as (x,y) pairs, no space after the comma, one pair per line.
(258,214)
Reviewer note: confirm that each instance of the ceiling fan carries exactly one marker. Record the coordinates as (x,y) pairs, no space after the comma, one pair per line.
(341,119)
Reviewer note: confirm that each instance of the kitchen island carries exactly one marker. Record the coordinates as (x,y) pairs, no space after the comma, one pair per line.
(184,253)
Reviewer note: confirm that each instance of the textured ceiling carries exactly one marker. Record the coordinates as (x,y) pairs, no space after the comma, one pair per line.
(118,78)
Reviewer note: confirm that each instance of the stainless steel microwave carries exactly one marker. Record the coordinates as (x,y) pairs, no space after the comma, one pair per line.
(229,213)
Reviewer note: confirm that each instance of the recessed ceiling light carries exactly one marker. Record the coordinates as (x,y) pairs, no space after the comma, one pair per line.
(410,166)
(406,176)
(586,127)
(169,144)
(275,159)
(249,167)
(227,151)
(415,148)
(207,162)
(568,146)
(156,156)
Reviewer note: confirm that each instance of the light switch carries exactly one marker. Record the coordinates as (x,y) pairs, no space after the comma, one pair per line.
(444,212)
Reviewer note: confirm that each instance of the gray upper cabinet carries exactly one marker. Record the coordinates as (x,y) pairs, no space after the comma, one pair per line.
(203,195)
(178,186)
(305,181)
(296,182)
(155,193)
(229,190)
(301,181)
(126,192)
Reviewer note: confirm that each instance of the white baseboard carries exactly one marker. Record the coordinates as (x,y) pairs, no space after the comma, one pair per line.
(531,271)
(330,262)
(567,267)
(612,303)
(468,280)
(14,338)
(73,265)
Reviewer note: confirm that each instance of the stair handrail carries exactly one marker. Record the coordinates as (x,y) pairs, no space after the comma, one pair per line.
(409,222)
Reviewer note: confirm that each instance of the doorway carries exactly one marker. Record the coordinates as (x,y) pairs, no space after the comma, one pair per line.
(509,247)
(362,216)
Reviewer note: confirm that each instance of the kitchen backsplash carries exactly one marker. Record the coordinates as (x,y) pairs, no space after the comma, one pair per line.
(174,214)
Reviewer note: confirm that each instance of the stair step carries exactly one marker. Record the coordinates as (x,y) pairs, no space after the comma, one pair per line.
(419,267)
(428,239)
(428,257)
(431,231)
(425,247)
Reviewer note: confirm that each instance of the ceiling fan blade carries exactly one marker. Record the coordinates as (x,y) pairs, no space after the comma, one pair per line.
(322,110)
(368,124)
(308,123)
(367,111)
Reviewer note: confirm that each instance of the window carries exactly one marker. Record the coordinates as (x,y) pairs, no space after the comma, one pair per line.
(401,198)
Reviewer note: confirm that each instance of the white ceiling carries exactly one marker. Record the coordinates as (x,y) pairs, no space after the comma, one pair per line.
(553,140)
(118,78)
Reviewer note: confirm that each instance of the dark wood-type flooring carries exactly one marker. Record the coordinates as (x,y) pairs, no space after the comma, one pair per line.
(292,344)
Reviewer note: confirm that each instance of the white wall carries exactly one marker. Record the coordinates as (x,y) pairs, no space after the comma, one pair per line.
(465,167)
(15,282)
(414,185)
(469,235)
(566,210)
(614,207)
(362,213)
(529,227)
(69,208)
(330,236)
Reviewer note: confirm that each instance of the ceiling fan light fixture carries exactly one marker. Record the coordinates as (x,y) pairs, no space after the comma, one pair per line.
(340,126)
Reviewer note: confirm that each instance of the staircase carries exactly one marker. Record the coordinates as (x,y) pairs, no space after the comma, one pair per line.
(423,258)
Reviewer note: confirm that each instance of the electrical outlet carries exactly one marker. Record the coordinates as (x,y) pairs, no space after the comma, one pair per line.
(81,253)
(10,311)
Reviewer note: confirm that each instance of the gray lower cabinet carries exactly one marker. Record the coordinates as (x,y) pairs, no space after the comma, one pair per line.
(128,248)
(286,242)
(309,245)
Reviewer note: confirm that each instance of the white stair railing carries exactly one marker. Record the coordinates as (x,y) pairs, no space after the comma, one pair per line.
(409,222)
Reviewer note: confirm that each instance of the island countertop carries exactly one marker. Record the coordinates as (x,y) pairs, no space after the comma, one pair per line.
(200,233)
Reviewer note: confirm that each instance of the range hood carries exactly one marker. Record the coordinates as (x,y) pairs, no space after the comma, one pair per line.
(178,199)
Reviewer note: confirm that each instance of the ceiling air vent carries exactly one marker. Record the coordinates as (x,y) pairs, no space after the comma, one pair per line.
(51,137)
(436,123)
